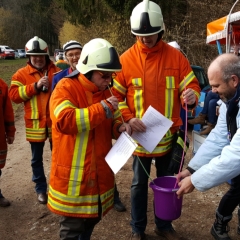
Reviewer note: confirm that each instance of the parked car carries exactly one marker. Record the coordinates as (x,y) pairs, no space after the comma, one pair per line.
(16,54)
(57,53)
(21,52)
(6,52)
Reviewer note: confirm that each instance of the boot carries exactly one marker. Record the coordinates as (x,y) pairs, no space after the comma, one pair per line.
(208,129)
(200,119)
(220,227)
(238,230)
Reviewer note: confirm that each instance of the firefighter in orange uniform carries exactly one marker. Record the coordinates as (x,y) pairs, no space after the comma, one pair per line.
(7,130)
(32,86)
(85,119)
(153,74)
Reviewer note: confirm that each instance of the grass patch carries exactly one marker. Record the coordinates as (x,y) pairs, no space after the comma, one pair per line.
(9,66)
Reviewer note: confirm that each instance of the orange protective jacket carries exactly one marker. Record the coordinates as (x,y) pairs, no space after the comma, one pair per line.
(7,127)
(154,76)
(36,103)
(82,137)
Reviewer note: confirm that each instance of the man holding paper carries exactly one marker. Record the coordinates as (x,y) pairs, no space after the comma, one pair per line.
(84,119)
(158,75)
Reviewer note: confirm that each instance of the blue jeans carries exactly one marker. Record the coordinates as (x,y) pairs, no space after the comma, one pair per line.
(38,176)
(139,192)
(209,108)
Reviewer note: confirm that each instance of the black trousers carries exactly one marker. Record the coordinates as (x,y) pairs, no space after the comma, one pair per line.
(231,199)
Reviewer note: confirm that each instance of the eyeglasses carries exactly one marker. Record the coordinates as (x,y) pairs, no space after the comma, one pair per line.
(73,55)
(107,76)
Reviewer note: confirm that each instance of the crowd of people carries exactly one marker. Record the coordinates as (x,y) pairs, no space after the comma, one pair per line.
(94,96)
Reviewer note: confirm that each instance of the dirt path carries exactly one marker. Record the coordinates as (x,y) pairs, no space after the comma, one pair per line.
(26,219)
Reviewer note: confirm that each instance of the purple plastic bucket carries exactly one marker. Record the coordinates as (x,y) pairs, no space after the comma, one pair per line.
(167,205)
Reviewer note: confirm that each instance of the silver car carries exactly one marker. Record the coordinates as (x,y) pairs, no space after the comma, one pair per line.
(21,53)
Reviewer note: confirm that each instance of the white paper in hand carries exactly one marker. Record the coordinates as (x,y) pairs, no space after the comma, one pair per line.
(157,126)
(121,151)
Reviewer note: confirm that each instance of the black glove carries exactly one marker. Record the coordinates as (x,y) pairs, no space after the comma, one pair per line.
(177,152)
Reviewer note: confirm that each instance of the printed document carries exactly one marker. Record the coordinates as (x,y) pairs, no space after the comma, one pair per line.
(121,151)
(157,126)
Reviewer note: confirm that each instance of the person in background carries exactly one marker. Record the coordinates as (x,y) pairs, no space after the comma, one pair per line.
(84,118)
(31,85)
(218,158)
(7,131)
(153,73)
(61,63)
(208,113)
(72,52)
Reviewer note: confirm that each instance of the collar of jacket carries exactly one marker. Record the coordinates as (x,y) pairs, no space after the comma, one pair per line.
(145,49)
(88,85)
(232,104)
(32,69)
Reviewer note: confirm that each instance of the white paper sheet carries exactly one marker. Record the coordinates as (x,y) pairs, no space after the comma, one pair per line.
(121,151)
(157,126)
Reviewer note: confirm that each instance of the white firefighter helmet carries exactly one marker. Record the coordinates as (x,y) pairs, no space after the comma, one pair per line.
(72,44)
(98,54)
(175,45)
(146,19)
(36,46)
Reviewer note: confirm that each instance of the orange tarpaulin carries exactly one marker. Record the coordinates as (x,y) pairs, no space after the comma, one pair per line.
(216,30)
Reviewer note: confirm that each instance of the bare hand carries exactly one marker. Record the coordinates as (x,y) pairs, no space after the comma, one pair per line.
(137,125)
(10,140)
(186,186)
(189,96)
(113,101)
(125,127)
(183,174)
(44,81)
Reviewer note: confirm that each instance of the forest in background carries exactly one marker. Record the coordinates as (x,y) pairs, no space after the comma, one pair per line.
(58,21)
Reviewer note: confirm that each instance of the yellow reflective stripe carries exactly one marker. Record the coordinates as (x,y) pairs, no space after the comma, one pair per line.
(21,90)
(138,97)
(170,82)
(186,81)
(137,82)
(63,105)
(169,97)
(35,131)
(197,94)
(60,202)
(34,108)
(36,137)
(119,87)
(122,105)
(79,154)
(93,209)
(82,119)
(158,149)
(19,84)
(164,145)
(117,114)
(73,199)
(36,134)
(180,141)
